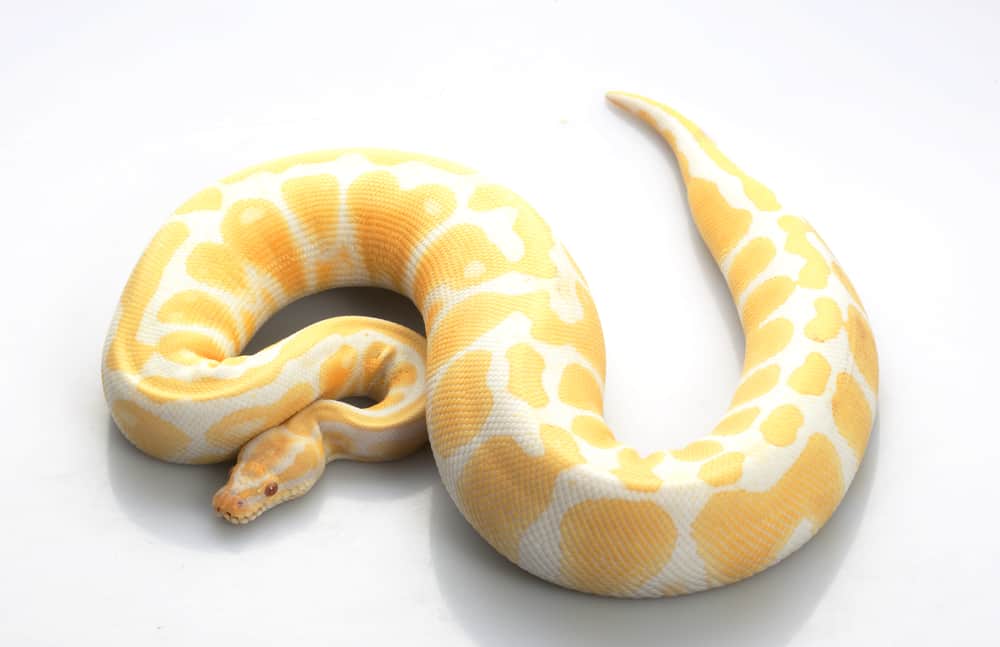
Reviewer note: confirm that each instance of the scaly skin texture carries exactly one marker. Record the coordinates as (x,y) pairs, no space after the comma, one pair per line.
(514,364)
(373,358)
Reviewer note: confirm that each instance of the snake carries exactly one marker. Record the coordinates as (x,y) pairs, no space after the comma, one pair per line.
(508,382)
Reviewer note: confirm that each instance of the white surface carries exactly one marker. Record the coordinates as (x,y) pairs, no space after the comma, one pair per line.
(879,124)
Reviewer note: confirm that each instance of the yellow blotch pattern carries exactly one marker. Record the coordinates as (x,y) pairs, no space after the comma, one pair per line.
(234,429)
(756,384)
(811,377)
(594,431)
(483,259)
(748,263)
(636,472)
(256,230)
(528,383)
(336,372)
(389,220)
(315,201)
(216,265)
(147,431)
(827,322)
(503,503)
(699,450)
(494,196)
(723,470)
(737,422)
(612,546)
(403,375)
(271,448)
(127,353)
(463,393)
(584,334)
(312,456)
(767,341)
(185,347)
(337,443)
(862,343)
(529,226)
(739,533)
(851,413)
(839,271)
(206,200)
(782,425)
(162,388)
(760,195)
(374,364)
(474,316)
(764,300)
(489,261)
(578,388)
(197,308)
(721,225)
(816,272)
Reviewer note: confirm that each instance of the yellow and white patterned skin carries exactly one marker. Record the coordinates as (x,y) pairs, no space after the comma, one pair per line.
(514,366)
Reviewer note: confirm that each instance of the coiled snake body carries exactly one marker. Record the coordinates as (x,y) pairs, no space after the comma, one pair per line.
(514,370)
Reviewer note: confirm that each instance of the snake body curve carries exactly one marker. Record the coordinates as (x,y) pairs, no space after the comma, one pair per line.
(515,365)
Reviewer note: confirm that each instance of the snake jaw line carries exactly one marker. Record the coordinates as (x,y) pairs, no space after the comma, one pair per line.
(222,510)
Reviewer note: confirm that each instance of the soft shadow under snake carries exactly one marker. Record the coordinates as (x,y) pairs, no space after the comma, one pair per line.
(173,502)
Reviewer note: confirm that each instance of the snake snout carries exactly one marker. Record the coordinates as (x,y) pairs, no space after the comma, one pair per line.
(231,507)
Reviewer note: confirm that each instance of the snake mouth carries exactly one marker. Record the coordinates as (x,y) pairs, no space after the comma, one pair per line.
(238,519)
(228,506)
(235,509)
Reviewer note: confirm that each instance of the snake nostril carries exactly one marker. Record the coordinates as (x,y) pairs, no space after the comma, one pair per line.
(239,503)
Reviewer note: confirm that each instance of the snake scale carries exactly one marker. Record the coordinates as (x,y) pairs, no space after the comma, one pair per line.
(509,383)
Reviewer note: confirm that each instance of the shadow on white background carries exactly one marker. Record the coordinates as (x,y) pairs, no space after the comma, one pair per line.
(174,501)
(499,604)
(492,600)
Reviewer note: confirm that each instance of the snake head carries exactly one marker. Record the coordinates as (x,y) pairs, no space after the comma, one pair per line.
(276,466)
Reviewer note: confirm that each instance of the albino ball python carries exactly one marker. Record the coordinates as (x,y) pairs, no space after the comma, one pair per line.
(513,382)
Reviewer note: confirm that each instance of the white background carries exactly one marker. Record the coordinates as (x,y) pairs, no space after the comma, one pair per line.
(879,124)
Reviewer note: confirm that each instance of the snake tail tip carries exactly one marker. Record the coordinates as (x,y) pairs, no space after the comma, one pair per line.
(615,96)
(628,101)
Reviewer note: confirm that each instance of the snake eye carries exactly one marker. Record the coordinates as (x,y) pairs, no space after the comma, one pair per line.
(271,489)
